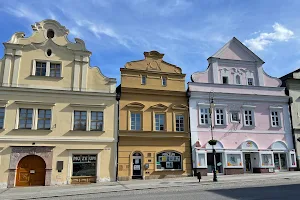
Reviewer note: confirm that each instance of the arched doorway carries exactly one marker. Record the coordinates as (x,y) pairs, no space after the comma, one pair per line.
(31,171)
(137,166)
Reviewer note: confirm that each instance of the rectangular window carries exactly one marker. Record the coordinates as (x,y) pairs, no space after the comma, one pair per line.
(168,160)
(96,121)
(248,118)
(159,122)
(274,118)
(143,80)
(204,115)
(235,116)
(84,165)
(225,79)
(164,81)
(135,121)
(25,118)
(2,114)
(79,120)
(179,123)
(266,160)
(293,160)
(234,160)
(54,69)
(44,119)
(201,160)
(40,69)
(250,81)
(220,116)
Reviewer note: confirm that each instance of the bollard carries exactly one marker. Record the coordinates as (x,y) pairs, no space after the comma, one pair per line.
(199,176)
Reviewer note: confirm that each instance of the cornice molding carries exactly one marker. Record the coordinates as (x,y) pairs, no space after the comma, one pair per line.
(34,103)
(159,106)
(180,107)
(135,105)
(179,94)
(88,105)
(56,139)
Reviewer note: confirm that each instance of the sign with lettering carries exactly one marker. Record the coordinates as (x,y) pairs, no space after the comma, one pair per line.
(84,158)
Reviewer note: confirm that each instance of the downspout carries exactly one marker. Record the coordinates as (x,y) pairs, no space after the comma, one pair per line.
(118,96)
(188,93)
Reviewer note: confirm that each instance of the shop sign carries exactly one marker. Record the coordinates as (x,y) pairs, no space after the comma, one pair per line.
(84,158)
(136,167)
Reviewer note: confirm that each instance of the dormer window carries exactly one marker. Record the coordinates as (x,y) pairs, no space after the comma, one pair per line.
(46,68)
(143,81)
(225,79)
(50,33)
(238,80)
(164,81)
(250,81)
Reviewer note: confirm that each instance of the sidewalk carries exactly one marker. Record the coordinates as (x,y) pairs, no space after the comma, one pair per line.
(70,190)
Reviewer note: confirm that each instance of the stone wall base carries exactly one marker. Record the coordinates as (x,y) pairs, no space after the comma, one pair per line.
(203,171)
(231,171)
(261,170)
(293,169)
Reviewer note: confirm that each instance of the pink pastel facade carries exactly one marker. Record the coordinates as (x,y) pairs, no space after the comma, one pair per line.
(249,113)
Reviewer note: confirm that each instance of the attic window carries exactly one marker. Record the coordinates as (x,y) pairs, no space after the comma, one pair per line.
(50,33)
(49,52)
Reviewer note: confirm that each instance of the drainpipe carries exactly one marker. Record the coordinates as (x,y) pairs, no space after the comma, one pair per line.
(188,93)
(118,96)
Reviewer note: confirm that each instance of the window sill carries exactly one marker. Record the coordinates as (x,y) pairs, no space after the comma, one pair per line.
(29,129)
(47,77)
(204,126)
(220,126)
(163,170)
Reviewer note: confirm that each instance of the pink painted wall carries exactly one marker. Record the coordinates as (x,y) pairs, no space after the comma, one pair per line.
(271,81)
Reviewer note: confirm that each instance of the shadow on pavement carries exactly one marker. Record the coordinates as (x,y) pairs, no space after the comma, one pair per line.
(269,192)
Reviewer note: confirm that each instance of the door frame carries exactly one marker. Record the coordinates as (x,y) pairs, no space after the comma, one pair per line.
(251,157)
(222,159)
(286,161)
(131,164)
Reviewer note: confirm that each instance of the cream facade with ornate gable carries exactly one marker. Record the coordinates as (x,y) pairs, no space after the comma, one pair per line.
(55,110)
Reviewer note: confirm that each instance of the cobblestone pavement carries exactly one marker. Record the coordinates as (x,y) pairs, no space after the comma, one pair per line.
(180,188)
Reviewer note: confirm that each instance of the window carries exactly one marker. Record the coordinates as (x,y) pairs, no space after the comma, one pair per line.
(293,160)
(238,80)
(84,165)
(234,160)
(50,33)
(54,70)
(143,80)
(201,160)
(44,119)
(25,118)
(235,116)
(204,115)
(179,123)
(266,160)
(275,119)
(220,116)
(40,69)
(250,81)
(225,79)
(248,118)
(2,114)
(96,121)
(49,52)
(168,160)
(135,121)
(159,122)
(164,81)
(79,120)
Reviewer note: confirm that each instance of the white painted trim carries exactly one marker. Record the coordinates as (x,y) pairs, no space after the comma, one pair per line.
(48,68)
(249,106)
(7,69)
(76,74)
(84,76)
(205,158)
(35,103)
(34,119)
(242,131)
(57,139)
(88,120)
(226,152)
(16,70)
(279,112)
(33,69)
(76,105)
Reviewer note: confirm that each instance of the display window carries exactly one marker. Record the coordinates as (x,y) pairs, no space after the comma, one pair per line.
(168,160)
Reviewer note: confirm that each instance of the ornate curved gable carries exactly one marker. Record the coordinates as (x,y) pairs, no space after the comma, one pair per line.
(159,106)
(179,107)
(135,105)
(153,62)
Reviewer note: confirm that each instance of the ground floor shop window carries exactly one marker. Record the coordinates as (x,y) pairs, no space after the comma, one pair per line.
(266,160)
(210,162)
(168,160)
(201,162)
(280,161)
(84,165)
(234,160)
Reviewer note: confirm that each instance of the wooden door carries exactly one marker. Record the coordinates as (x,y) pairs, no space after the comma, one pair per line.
(31,171)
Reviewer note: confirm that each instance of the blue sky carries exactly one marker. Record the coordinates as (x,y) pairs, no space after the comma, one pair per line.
(186,31)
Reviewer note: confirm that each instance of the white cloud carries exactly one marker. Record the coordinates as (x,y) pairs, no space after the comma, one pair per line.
(280,34)
(24,12)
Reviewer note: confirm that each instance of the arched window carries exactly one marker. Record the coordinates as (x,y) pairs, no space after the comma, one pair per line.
(238,80)
(168,160)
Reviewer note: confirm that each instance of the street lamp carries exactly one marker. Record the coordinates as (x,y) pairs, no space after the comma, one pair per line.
(211,100)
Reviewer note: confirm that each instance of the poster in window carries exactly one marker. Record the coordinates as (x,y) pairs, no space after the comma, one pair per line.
(136,167)
(169,165)
(234,160)
(136,161)
(164,159)
(172,158)
(266,160)
(201,160)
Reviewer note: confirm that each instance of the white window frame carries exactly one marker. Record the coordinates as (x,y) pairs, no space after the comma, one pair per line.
(165,121)
(164,81)
(290,159)
(201,152)
(224,116)
(260,159)
(208,115)
(250,78)
(252,109)
(143,76)
(47,68)
(183,125)
(279,112)
(239,117)
(234,153)
(132,112)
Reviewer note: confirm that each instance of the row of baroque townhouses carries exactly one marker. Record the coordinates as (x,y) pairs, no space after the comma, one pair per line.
(64,122)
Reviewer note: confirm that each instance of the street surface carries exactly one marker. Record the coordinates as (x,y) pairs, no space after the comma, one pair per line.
(271,186)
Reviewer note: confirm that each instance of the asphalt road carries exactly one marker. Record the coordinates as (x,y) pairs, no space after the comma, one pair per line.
(277,191)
